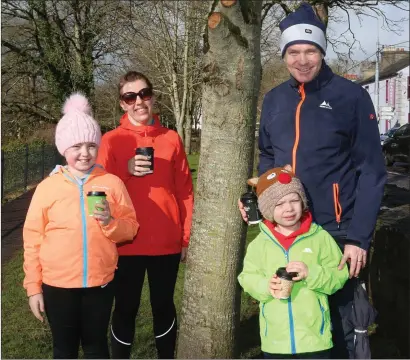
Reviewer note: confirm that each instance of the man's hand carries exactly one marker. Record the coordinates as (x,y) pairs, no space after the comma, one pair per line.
(184,253)
(36,303)
(242,210)
(136,165)
(357,258)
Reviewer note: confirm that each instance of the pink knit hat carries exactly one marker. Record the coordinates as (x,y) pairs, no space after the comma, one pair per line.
(77,125)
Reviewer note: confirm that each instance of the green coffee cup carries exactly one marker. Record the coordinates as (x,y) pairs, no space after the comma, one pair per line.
(93,198)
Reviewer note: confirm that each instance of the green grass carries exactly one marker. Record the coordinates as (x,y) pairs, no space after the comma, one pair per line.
(24,337)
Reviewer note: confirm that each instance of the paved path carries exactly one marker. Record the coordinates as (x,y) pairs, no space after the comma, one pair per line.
(13,215)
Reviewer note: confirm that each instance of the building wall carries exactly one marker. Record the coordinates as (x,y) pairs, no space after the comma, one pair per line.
(393,95)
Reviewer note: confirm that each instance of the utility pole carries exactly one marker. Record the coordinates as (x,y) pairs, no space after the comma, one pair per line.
(376,76)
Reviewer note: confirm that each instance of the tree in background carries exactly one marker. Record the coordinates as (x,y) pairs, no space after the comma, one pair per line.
(171,53)
(51,48)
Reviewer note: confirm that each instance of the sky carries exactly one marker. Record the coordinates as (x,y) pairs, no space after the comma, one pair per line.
(367,32)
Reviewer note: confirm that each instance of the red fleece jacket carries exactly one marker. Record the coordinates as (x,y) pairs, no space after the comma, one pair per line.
(163,201)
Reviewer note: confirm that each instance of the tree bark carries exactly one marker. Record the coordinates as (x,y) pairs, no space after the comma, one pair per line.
(211,302)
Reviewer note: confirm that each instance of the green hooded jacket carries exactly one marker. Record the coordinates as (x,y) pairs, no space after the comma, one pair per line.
(301,323)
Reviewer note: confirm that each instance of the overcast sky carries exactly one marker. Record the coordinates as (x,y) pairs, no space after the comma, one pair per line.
(367,32)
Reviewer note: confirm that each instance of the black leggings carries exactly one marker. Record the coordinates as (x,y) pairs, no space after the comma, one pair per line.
(129,279)
(79,315)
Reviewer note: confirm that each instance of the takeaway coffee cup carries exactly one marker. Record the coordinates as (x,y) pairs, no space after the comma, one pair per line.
(147,151)
(93,198)
(286,280)
(250,204)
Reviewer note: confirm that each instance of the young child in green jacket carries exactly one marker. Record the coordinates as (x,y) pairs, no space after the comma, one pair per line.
(299,326)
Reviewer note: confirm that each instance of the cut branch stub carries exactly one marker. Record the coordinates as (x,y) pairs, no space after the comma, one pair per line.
(214,19)
(228,3)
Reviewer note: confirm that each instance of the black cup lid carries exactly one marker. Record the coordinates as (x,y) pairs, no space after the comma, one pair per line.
(283,274)
(96,193)
(248,196)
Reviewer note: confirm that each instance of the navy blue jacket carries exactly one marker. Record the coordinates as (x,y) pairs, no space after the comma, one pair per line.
(327,130)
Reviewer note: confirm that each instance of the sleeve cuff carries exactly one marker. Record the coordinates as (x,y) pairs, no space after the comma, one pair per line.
(109,229)
(314,271)
(34,289)
(263,287)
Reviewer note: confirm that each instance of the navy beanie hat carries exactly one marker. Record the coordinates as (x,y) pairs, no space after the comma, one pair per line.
(302,27)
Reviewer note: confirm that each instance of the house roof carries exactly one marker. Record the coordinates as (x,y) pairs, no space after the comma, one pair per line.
(388,72)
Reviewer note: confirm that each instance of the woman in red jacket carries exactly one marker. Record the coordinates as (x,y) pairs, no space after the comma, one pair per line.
(163,199)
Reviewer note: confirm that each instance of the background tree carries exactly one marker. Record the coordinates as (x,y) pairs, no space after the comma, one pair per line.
(170,54)
(51,48)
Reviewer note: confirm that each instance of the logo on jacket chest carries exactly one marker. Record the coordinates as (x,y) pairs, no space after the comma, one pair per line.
(325,105)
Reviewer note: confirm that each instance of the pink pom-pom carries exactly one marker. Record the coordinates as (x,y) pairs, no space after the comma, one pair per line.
(77,102)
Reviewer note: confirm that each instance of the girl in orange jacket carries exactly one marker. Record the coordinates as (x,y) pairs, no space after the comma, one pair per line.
(70,256)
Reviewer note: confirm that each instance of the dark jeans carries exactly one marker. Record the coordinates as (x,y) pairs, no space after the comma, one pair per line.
(129,279)
(79,316)
(325,354)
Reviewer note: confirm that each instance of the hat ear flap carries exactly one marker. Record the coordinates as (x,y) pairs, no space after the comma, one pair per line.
(253,181)
(288,168)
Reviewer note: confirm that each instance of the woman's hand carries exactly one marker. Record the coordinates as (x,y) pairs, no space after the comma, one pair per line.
(36,303)
(184,253)
(137,165)
(102,213)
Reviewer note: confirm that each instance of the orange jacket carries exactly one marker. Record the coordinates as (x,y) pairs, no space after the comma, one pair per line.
(163,201)
(65,247)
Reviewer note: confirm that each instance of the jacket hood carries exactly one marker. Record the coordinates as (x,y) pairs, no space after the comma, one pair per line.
(96,170)
(142,130)
(269,236)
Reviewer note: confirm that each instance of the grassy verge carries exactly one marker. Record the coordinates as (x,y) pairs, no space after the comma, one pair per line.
(24,337)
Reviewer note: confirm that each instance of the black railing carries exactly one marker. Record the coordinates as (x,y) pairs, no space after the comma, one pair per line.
(26,166)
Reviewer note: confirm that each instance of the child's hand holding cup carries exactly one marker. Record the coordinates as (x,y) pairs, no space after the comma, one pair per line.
(98,207)
(281,283)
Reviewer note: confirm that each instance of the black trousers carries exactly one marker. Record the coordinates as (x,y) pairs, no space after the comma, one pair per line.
(325,354)
(129,279)
(77,316)
(340,305)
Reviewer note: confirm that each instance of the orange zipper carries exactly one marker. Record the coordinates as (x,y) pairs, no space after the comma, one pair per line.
(297,127)
(338,207)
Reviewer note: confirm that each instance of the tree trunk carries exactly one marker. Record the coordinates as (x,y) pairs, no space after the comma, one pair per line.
(211,302)
(188,133)
(188,121)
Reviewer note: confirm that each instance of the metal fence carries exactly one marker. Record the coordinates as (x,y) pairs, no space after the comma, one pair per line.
(26,166)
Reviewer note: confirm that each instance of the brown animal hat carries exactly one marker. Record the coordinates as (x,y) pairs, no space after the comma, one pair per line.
(273,185)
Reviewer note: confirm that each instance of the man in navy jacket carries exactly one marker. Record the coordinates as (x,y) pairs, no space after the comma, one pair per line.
(325,127)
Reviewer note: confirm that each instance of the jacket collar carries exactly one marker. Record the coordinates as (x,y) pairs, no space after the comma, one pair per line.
(312,229)
(324,76)
(96,170)
(143,130)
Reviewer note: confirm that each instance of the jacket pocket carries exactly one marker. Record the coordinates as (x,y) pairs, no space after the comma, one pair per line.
(322,311)
(336,203)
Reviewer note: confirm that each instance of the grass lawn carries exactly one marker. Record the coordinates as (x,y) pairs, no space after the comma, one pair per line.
(23,336)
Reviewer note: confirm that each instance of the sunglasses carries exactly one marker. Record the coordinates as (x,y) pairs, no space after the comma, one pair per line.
(130,97)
